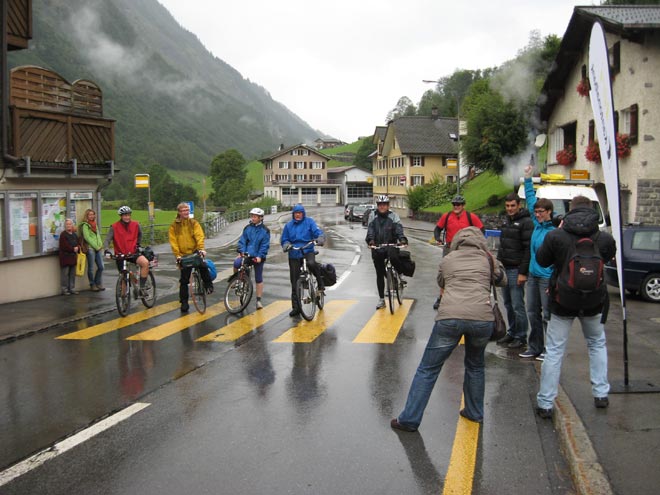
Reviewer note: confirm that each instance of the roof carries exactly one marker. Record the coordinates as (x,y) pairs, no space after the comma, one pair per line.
(286,150)
(380,132)
(339,170)
(628,21)
(426,135)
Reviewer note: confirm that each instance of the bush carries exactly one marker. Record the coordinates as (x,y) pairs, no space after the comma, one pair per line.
(493,200)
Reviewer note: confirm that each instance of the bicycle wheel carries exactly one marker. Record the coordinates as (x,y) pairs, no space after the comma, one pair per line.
(197,292)
(305,290)
(123,295)
(390,288)
(320,299)
(148,295)
(399,288)
(238,293)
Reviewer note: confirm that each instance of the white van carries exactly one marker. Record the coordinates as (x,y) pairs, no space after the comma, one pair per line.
(561,192)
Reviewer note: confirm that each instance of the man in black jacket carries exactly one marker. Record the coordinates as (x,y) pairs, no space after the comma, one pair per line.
(514,255)
(557,248)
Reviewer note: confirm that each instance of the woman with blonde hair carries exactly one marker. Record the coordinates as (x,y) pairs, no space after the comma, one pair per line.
(92,242)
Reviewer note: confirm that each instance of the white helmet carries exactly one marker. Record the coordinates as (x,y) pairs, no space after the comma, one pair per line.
(124,210)
(257,211)
(382,198)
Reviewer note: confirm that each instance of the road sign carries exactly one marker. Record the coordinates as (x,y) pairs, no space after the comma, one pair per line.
(402,180)
(191,204)
(141,180)
(452,163)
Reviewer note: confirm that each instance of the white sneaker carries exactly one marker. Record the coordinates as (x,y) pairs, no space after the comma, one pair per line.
(381,304)
(259,305)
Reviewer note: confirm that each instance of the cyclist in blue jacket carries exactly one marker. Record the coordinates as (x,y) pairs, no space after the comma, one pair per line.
(298,232)
(254,242)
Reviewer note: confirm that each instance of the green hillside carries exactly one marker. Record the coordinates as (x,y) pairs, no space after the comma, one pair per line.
(476,193)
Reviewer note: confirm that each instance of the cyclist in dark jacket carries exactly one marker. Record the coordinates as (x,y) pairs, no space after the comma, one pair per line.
(384,228)
(514,255)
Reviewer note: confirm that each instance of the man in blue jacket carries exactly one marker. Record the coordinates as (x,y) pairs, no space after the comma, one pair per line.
(298,232)
(254,243)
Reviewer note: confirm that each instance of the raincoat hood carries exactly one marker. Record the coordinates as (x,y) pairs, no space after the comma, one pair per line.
(581,221)
(298,208)
(469,237)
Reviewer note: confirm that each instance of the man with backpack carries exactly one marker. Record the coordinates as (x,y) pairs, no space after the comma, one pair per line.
(578,251)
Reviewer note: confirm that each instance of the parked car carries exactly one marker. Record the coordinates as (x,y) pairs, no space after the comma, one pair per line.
(367,214)
(348,209)
(357,212)
(641,262)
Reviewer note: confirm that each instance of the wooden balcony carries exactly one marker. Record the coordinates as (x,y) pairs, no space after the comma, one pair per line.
(19,24)
(58,125)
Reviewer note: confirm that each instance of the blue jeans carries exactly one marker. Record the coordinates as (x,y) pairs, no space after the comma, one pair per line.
(538,312)
(513,297)
(92,258)
(557,338)
(443,340)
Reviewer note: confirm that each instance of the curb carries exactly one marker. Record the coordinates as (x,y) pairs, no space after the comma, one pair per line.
(587,473)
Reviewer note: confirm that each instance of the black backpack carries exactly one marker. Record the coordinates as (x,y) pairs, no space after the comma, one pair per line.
(580,283)
(328,274)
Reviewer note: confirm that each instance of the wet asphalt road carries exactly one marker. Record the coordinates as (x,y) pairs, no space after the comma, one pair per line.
(254,415)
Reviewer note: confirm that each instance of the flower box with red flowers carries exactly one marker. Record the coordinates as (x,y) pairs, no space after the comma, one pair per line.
(622,145)
(593,152)
(566,156)
(583,87)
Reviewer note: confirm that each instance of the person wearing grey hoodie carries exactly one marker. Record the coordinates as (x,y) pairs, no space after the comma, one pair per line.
(464,277)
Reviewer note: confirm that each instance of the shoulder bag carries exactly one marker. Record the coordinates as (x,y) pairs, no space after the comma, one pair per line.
(499,326)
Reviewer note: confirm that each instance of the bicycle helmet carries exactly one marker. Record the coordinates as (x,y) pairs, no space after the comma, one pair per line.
(382,198)
(124,210)
(257,211)
(458,199)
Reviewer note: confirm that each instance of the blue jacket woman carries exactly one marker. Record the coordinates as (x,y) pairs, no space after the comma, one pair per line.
(255,242)
(297,232)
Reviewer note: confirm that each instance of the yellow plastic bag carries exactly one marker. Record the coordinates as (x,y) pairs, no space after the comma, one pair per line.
(81,265)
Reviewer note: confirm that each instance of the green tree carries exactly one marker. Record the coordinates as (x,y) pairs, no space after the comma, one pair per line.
(404,108)
(229,178)
(362,159)
(496,128)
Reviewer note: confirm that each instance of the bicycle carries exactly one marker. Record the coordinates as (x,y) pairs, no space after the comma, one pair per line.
(129,279)
(239,290)
(395,284)
(306,289)
(196,287)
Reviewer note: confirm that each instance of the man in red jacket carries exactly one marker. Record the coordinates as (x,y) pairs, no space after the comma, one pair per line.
(125,236)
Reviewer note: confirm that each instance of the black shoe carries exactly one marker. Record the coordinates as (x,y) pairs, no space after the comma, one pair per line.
(398,426)
(516,344)
(601,402)
(185,308)
(544,413)
(462,413)
(294,312)
(505,340)
(528,354)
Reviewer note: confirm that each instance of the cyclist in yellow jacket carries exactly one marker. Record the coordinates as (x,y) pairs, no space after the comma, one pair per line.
(186,237)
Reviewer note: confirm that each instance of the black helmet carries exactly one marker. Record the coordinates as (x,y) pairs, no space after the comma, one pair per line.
(458,199)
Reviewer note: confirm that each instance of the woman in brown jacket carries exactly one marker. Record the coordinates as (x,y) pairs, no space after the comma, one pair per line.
(69,247)
(465,311)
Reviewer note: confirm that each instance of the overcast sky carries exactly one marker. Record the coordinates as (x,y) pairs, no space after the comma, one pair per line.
(342,65)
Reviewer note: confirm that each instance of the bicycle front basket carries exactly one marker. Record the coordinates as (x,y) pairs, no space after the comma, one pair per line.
(192,261)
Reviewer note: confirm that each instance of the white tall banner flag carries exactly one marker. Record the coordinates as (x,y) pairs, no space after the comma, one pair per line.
(603,108)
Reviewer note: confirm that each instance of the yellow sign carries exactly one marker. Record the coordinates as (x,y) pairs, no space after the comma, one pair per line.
(141,180)
(452,163)
(578,174)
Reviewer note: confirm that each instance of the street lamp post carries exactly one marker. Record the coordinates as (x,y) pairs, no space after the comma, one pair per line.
(454,137)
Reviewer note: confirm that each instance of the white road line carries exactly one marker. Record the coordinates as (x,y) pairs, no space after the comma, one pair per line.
(343,277)
(46,455)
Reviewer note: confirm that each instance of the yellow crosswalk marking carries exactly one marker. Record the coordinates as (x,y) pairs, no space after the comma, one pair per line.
(460,473)
(383,327)
(246,324)
(307,331)
(118,323)
(171,327)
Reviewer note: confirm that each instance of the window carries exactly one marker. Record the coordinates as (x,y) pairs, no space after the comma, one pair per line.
(646,240)
(628,123)
(614,54)
(299,165)
(417,180)
(299,177)
(284,164)
(562,137)
(316,177)
(417,161)
(318,165)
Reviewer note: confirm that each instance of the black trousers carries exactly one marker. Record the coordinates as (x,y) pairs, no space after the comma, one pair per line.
(183,284)
(294,274)
(379,257)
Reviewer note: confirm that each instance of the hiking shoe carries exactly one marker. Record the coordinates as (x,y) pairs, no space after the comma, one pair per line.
(516,344)
(381,303)
(507,339)
(73,292)
(94,288)
(528,354)
(259,305)
(464,414)
(544,413)
(185,307)
(398,426)
(601,402)
(541,357)
(100,287)
(294,312)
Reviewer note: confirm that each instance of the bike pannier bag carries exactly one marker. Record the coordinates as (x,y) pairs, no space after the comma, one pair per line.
(213,272)
(328,274)
(192,261)
(407,265)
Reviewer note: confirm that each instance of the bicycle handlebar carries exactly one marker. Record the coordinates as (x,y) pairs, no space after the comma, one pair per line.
(312,242)
(378,246)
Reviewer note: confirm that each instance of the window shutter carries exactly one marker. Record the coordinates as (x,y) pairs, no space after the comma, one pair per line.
(423,161)
(591,131)
(634,124)
(616,122)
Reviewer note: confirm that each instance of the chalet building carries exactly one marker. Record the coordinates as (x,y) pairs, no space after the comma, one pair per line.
(57,156)
(633,40)
(299,174)
(357,184)
(322,144)
(411,151)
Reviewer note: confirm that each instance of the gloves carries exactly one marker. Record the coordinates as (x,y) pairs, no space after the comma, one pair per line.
(107,253)
(528,171)
(402,242)
(287,247)
(320,241)
(371,243)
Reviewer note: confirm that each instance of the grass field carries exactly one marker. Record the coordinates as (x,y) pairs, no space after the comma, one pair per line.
(476,193)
